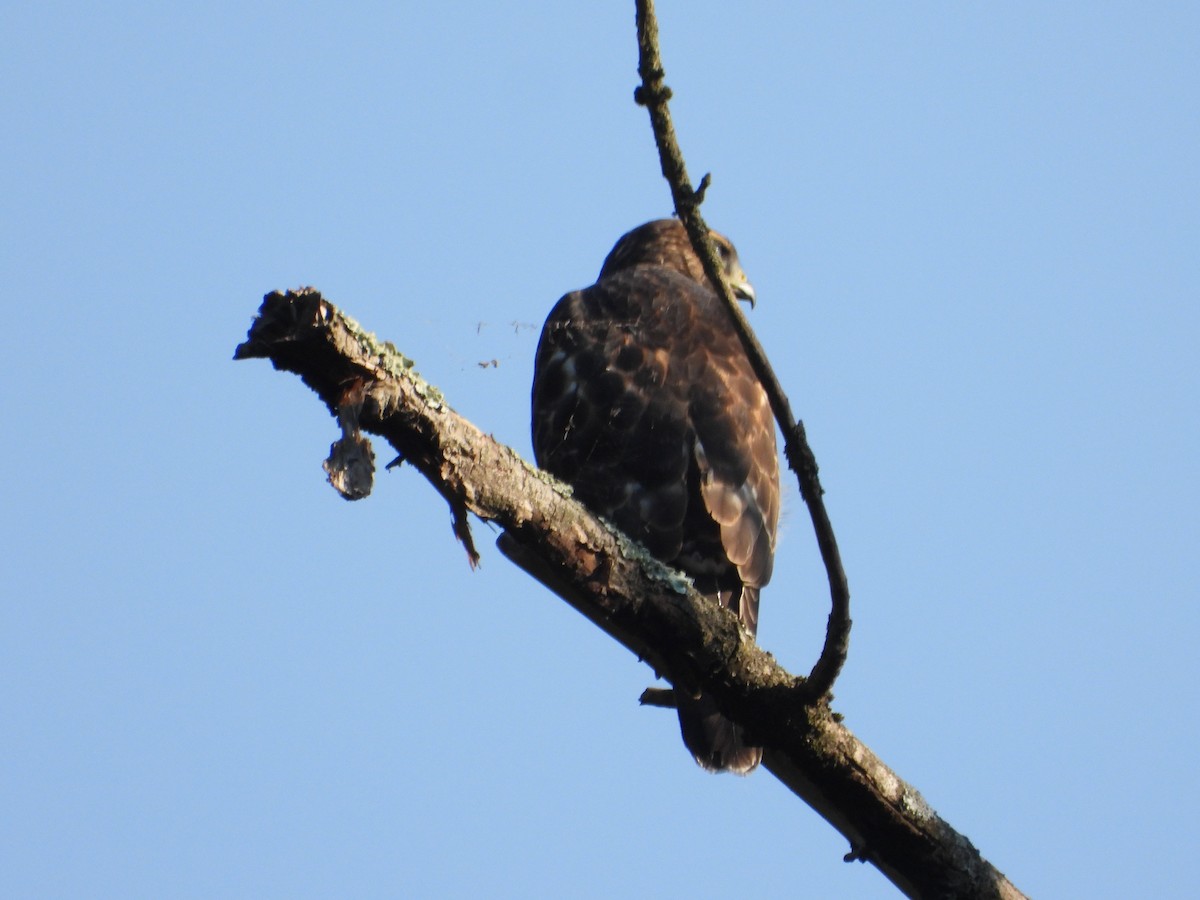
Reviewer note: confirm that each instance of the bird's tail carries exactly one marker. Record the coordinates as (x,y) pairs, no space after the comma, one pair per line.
(717,743)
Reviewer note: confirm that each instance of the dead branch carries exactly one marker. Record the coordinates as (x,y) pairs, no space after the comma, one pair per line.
(649,608)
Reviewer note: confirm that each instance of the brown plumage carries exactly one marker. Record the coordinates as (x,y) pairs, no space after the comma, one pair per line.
(644,401)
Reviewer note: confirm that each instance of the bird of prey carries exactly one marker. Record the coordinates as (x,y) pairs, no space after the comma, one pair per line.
(645,402)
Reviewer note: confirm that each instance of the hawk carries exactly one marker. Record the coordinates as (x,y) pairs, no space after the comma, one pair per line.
(645,402)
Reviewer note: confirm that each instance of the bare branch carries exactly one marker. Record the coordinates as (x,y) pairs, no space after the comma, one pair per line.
(654,94)
(650,609)
(662,698)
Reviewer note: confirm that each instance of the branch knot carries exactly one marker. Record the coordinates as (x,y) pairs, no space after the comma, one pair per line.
(652,91)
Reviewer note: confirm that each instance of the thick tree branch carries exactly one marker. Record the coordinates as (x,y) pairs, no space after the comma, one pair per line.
(650,609)
(653,93)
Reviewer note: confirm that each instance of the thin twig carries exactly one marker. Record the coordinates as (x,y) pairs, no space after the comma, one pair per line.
(664,698)
(653,93)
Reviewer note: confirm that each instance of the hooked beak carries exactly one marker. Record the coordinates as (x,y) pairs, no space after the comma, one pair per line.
(743,290)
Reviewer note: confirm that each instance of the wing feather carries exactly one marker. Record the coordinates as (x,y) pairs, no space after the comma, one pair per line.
(645,402)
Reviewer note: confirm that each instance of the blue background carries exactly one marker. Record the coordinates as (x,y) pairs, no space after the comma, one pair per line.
(973,231)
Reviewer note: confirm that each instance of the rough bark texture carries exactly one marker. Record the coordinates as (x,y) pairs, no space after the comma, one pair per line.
(650,609)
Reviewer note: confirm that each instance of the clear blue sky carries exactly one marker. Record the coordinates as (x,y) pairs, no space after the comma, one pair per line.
(974,232)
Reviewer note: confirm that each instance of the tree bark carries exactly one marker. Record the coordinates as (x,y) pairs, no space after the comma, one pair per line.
(649,608)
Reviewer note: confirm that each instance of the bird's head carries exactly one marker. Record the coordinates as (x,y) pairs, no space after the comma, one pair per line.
(742,288)
(664,242)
